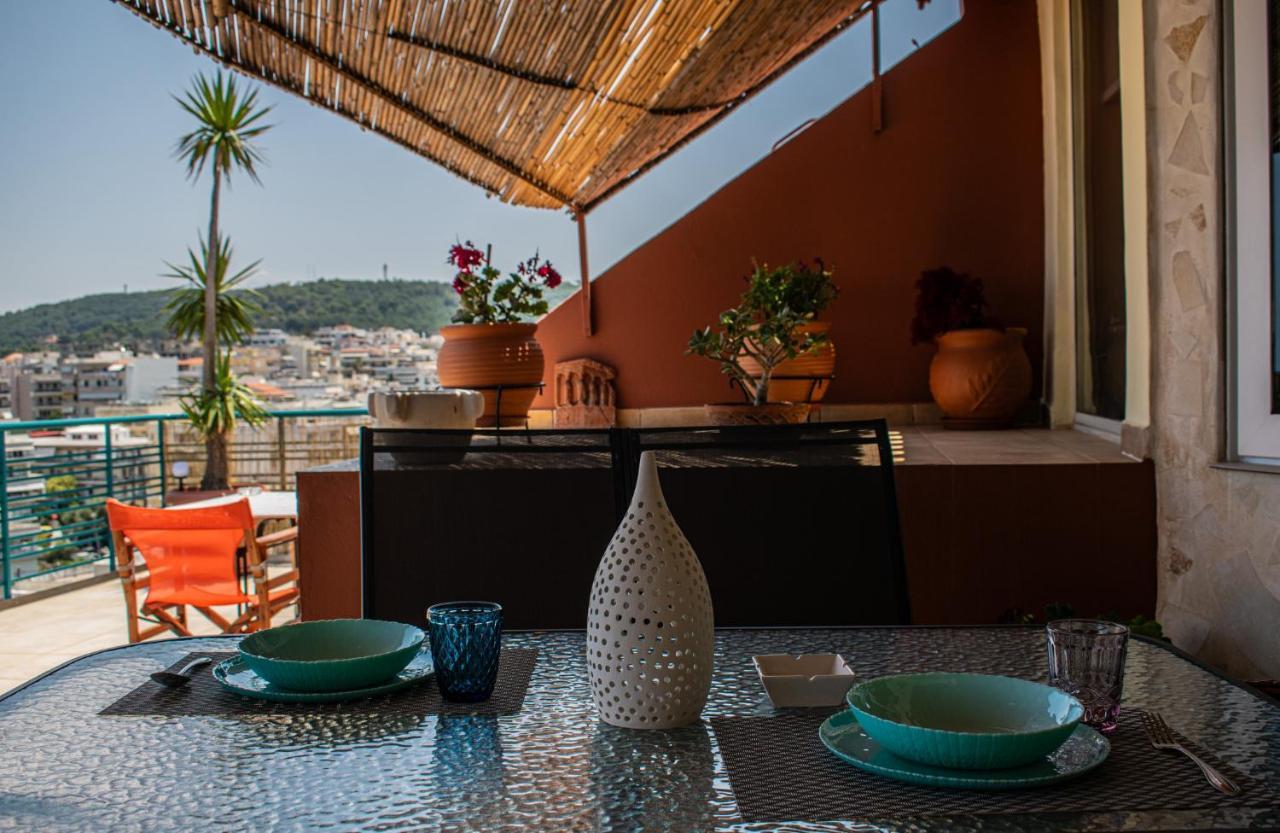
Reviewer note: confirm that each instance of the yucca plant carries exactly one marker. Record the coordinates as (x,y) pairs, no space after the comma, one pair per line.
(228,125)
(213,413)
(235,304)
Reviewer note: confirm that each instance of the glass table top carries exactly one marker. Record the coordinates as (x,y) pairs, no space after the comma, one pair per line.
(552,767)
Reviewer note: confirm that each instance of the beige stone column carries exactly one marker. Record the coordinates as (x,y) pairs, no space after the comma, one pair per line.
(1219,530)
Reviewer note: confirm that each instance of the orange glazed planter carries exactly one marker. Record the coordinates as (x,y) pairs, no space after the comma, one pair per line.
(980,378)
(483,356)
(821,363)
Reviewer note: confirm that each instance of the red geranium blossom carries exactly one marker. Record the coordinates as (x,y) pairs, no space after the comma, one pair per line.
(465,256)
(549,275)
(485,296)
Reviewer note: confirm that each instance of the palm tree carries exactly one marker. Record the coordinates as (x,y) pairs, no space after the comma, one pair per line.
(228,123)
(235,305)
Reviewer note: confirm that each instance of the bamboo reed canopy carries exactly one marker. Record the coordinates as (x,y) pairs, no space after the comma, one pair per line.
(544,103)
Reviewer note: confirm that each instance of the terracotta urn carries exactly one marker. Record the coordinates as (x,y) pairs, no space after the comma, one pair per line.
(821,362)
(483,356)
(980,378)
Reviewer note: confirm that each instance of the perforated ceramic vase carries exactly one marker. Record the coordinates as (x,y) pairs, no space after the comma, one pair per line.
(650,635)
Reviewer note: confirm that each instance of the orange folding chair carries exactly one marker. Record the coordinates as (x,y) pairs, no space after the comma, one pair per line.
(189,560)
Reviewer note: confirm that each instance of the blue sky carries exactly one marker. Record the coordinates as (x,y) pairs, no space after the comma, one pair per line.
(93,199)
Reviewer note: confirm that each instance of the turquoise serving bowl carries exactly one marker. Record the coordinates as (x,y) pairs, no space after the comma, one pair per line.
(965,721)
(331,654)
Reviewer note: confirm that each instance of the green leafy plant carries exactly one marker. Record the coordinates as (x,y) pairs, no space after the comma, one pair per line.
(235,305)
(63,493)
(485,297)
(214,414)
(765,325)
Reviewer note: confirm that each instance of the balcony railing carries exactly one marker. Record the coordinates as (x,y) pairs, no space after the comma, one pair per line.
(55,480)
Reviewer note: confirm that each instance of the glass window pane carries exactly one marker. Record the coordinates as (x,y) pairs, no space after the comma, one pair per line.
(1100,290)
(1273,49)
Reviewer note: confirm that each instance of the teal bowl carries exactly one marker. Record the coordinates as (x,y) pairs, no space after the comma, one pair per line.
(331,654)
(965,721)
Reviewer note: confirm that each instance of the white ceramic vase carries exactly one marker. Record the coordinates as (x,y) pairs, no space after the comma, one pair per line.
(650,629)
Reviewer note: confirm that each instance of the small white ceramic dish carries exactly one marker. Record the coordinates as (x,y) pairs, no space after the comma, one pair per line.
(804,679)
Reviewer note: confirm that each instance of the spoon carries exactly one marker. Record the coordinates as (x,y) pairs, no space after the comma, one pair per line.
(178,680)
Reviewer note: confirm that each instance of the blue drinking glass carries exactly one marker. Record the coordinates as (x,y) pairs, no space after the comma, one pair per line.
(466,641)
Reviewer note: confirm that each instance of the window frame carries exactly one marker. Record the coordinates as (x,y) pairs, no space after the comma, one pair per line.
(1253,428)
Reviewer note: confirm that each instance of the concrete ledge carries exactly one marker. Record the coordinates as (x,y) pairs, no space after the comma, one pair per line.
(55,591)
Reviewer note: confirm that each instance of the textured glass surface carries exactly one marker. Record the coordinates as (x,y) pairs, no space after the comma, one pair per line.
(466,641)
(552,767)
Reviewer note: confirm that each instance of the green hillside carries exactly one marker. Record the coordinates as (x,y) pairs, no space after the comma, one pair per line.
(136,319)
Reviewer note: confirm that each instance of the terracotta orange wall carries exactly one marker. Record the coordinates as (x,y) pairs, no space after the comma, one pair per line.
(955,178)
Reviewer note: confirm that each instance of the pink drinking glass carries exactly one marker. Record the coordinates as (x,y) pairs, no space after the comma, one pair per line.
(1086,660)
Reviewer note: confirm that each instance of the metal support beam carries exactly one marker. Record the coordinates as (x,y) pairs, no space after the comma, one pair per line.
(282,457)
(164,471)
(585,272)
(111,488)
(877,81)
(4,518)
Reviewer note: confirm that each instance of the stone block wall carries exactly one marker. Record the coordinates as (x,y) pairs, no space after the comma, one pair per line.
(1219,530)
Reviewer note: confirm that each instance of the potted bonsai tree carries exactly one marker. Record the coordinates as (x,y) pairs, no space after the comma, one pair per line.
(980,376)
(491,347)
(808,290)
(767,329)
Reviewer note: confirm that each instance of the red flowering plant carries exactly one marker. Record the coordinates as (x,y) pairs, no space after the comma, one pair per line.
(948,300)
(486,297)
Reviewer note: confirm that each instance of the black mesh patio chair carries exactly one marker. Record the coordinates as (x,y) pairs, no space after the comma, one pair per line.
(516,517)
(794,524)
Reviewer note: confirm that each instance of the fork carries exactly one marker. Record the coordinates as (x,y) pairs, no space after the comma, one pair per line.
(1162,737)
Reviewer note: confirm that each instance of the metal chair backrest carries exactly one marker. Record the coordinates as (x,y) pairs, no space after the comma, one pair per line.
(793,524)
(516,517)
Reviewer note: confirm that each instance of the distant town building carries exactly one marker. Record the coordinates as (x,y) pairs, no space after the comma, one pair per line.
(115,377)
(50,386)
(267,338)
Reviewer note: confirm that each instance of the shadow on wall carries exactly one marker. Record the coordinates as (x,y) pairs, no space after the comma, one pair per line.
(954,178)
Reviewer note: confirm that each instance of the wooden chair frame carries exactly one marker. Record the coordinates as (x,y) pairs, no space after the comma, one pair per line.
(256,616)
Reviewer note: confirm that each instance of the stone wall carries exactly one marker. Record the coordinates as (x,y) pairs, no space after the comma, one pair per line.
(1219,530)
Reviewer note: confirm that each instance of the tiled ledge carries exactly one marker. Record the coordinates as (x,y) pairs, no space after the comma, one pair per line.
(898,414)
(919,437)
(933,445)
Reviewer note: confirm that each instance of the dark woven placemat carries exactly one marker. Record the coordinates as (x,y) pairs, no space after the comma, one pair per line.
(205,696)
(781,771)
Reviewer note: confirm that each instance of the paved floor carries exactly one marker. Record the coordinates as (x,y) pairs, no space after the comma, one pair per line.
(46,633)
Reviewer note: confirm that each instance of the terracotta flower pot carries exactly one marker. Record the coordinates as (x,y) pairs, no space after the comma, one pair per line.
(744,413)
(821,362)
(482,356)
(980,378)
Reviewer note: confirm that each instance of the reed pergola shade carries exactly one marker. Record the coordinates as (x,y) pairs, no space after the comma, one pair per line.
(544,103)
